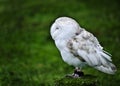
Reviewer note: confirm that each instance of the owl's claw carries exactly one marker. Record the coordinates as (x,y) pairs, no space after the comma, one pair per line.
(76,74)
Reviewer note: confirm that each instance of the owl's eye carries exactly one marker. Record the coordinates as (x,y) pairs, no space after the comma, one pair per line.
(57,28)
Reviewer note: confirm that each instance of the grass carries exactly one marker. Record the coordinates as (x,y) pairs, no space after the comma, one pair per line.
(83,81)
(28,56)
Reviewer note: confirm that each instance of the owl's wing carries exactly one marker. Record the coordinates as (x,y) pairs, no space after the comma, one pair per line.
(87,47)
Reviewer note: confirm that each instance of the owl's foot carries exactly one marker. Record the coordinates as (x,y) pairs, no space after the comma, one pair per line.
(77,74)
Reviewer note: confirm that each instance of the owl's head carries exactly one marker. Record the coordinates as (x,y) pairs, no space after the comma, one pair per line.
(64,28)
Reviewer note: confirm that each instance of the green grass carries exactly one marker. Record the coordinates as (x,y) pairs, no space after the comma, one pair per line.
(28,56)
(83,81)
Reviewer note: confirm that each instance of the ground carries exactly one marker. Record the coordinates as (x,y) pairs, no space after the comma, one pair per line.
(28,55)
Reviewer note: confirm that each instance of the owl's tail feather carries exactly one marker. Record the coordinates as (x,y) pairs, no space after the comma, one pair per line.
(111,69)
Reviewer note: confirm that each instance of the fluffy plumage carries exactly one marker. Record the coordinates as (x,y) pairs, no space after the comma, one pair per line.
(78,47)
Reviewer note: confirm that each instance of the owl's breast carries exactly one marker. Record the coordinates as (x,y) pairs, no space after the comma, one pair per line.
(67,56)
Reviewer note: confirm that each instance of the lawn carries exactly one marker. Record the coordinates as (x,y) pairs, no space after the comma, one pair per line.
(28,55)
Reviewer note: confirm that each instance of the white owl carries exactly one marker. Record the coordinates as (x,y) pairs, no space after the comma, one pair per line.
(78,47)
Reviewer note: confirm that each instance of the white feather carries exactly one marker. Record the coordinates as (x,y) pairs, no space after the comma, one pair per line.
(77,46)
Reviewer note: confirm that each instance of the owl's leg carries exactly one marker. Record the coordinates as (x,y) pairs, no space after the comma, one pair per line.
(78,72)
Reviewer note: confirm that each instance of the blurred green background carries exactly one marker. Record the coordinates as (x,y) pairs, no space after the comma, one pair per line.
(28,56)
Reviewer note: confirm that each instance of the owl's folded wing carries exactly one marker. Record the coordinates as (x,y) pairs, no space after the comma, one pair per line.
(86,46)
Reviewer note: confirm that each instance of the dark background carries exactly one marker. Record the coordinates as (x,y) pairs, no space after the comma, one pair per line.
(28,56)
